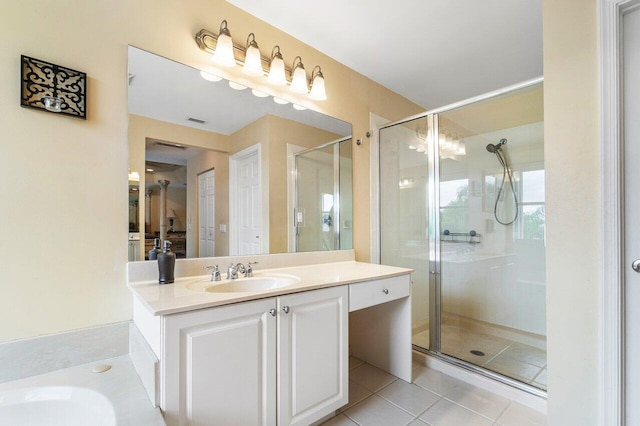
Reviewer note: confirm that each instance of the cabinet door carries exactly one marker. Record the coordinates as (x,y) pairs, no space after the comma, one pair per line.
(313,362)
(219,366)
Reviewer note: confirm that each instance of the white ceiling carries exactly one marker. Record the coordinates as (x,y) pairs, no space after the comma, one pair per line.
(434,52)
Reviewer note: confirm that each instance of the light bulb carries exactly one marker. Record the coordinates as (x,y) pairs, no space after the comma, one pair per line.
(259,94)
(209,77)
(276,75)
(280,101)
(298,77)
(298,107)
(318,92)
(236,86)
(223,54)
(252,61)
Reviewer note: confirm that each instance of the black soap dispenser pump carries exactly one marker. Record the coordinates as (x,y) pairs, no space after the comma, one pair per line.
(153,253)
(166,264)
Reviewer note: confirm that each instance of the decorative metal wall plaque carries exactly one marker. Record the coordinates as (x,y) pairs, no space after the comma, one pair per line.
(53,88)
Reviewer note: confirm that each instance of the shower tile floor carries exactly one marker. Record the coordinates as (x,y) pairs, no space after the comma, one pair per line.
(523,362)
(377,398)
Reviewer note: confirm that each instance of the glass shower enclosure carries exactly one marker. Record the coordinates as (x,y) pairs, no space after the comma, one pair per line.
(323,211)
(463,204)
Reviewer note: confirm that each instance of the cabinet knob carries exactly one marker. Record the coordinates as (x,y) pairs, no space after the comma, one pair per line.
(385,290)
(285,309)
(272,312)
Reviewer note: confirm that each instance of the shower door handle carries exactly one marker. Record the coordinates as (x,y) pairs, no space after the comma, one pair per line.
(636,265)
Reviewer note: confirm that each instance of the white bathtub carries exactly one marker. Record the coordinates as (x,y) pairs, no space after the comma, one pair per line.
(78,396)
(55,406)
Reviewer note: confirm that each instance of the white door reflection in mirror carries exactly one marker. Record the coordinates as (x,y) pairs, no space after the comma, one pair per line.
(206,214)
(245,197)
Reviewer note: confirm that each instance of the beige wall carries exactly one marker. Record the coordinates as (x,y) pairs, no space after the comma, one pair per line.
(65,266)
(572,167)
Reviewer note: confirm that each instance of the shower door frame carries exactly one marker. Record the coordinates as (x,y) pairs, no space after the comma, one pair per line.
(435,284)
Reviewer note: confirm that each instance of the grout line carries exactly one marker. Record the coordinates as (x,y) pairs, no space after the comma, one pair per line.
(405,410)
(503,411)
(496,355)
(430,407)
(469,409)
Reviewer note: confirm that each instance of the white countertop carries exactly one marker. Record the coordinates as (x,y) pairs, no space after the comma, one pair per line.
(177,297)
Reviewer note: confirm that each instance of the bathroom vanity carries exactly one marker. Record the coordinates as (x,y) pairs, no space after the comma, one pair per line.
(274,348)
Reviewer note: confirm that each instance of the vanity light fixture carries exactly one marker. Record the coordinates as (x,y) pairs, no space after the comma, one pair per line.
(277,76)
(252,61)
(223,54)
(209,77)
(318,92)
(298,77)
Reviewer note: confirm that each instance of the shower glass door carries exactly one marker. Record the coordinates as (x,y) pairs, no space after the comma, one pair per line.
(462,202)
(404,212)
(492,235)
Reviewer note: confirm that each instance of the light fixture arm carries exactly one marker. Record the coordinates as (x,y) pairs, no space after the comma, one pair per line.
(251,42)
(314,73)
(299,64)
(223,28)
(275,53)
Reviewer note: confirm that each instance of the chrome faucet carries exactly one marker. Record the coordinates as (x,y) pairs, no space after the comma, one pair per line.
(232,271)
(215,273)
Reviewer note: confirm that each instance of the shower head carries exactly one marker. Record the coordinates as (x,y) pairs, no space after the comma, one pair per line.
(493,148)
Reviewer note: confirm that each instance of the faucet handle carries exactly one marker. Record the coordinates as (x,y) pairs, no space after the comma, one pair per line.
(248,269)
(232,272)
(215,273)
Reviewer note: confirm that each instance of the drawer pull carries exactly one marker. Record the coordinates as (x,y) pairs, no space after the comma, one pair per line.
(385,291)
(272,312)
(285,309)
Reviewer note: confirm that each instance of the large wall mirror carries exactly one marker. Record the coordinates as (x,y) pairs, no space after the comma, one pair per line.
(219,169)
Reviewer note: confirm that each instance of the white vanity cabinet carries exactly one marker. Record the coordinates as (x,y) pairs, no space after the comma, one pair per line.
(281,360)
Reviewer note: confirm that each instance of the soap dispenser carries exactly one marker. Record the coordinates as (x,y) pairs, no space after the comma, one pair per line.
(166,264)
(153,253)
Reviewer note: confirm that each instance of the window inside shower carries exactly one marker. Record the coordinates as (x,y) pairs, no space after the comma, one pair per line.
(463,204)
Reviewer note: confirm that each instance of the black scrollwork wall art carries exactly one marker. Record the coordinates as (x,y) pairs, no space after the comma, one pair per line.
(53,88)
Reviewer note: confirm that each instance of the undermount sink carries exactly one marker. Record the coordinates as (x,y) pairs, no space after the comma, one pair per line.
(245,285)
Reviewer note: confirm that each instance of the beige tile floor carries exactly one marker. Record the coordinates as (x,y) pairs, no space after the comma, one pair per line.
(377,398)
(513,359)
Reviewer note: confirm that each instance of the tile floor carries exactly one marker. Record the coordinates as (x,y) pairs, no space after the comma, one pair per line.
(520,361)
(377,398)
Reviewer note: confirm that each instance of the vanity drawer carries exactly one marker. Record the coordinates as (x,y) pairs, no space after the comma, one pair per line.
(370,293)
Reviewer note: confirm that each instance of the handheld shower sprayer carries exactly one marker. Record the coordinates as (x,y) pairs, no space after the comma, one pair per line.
(493,148)
(506,171)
